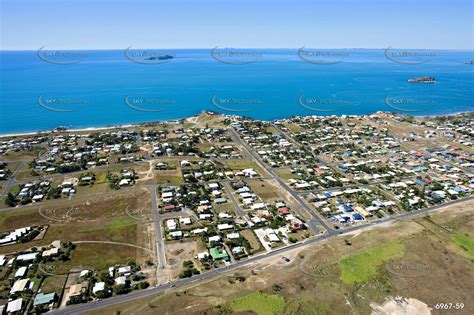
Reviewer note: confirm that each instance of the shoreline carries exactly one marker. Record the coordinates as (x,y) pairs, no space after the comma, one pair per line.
(141,124)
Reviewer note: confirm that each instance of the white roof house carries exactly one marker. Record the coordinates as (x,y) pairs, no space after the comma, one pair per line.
(84,273)
(203,255)
(176,234)
(21,272)
(19,286)
(185,221)
(121,281)
(99,286)
(125,270)
(232,236)
(51,252)
(215,238)
(225,226)
(27,257)
(272,236)
(171,224)
(15,305)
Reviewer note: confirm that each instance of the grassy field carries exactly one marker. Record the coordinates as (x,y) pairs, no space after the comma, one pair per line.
(254,242)
(259,303)
(94,256)
(169,177)
(53,284)
(97,219)
(363,266)
(465,243)
(240,164)
(265,190)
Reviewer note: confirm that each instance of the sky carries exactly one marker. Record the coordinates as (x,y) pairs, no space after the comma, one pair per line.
(118,24)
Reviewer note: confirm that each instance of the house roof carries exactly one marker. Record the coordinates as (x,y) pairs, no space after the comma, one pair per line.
(75,289)
(218,253)
(15,305)
(42,298)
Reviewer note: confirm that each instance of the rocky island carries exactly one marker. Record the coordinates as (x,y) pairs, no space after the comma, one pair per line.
(422,80)
(164,57)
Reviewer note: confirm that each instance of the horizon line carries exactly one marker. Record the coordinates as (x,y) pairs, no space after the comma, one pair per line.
(255,48)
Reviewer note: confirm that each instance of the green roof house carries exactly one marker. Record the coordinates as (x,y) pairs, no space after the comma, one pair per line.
(218,253)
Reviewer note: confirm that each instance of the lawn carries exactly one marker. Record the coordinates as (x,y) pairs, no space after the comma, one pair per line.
(259,303)
(363,266)
(465,243)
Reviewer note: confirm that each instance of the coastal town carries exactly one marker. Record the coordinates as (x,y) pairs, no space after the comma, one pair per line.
(94,215)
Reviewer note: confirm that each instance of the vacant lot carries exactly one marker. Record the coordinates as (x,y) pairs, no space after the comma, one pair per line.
(361,267)
(265,190)
(177,252)
(254,242)
(259,303)
(101,219)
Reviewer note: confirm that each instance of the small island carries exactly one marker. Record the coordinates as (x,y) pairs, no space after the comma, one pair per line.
(422,80)
(469,62)
(164,57)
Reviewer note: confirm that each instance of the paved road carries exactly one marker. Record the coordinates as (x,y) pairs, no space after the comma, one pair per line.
(12,180)
(216,272)
(237,208)
(160,246)
(316,220)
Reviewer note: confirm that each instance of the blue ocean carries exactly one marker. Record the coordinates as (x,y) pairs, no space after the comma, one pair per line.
(41,90)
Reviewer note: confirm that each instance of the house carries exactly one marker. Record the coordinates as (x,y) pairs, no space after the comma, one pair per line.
(213,186)
(203,255)
(258,206)
(224,226)
(214,239)
(185,221)
(176,234)
(19,286)
(51,252)
(218,253)
(98,287)
(75,290)
(233,236)
(125,271)
(238,250)
(272,236)
(21,272)
(171,224)
(169,207)
(15,305)
(121,281)
(44,298)
(84,273)
(220,200)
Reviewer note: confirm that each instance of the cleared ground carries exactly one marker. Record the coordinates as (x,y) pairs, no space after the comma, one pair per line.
(101,219)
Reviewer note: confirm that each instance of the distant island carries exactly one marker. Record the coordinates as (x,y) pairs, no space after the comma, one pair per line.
(469,62)
(164,57)
(422,80)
